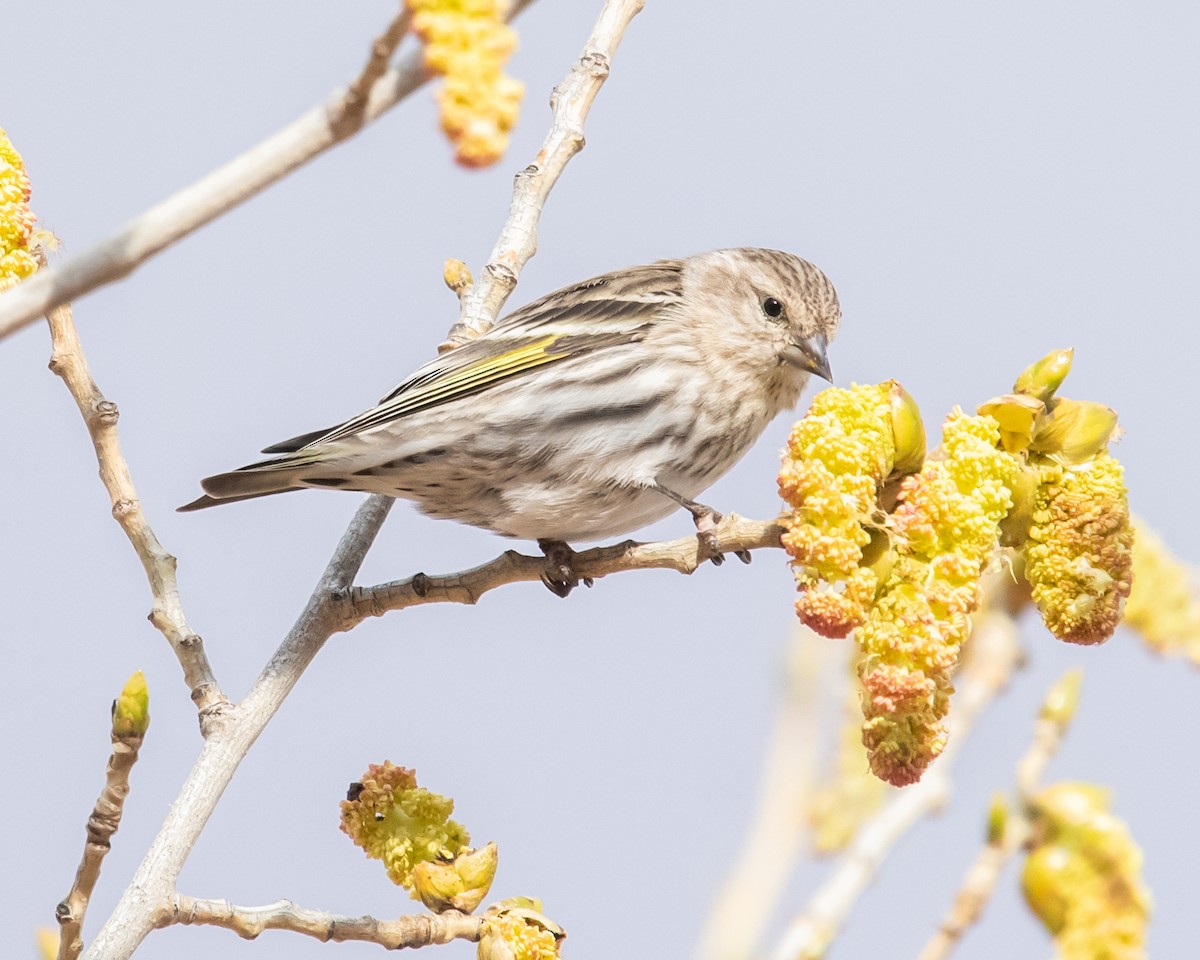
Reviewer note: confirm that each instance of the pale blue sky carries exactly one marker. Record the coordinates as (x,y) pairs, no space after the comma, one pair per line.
(982,184)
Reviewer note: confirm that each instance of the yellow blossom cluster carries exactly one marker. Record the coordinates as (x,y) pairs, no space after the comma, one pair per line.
(945,530)
(1078,557)
(1083,876)
(1164,606)
(836,459)
(896,555)
(468,42)
(16,219)
(396,821)
(519,933)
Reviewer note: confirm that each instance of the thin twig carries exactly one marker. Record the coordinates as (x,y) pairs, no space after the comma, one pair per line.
(101,825)
(353,107)
(994,656)
(749,894)
(570,103)
(100,415)
(734,534)
(140,906)
(419,930)
(218,192)
(982,877)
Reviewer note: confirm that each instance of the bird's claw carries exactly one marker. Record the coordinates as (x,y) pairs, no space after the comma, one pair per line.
(559,576)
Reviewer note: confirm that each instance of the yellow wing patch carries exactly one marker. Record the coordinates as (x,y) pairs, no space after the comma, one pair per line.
(453,383)
(476,375)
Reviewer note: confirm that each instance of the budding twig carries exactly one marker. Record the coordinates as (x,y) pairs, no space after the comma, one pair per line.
(101,825)
(100,416)
(418,930)
(570,103)
(979,882)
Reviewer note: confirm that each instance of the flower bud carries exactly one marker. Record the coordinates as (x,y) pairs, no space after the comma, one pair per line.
(908,430)
(457,276)
(1040,380)
(1075,431)
(1060,703)
(131,710)
(997,821)
(458,884)
(1017,416)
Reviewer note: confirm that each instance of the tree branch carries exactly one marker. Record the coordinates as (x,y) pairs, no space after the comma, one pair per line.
(419,930)
(993,656)
(570,103)
(749,895)
(734,533)
(101,825)
(100,415)
(228,186)
(140,906)
(352,114)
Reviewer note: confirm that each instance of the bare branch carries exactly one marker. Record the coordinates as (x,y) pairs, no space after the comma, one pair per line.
(993,657)
(228,186)
(979,883)
(138,909)
(100,416)
(101,825)
(353,107)
(749,894)
(734,533)
(419,930)
(570,103)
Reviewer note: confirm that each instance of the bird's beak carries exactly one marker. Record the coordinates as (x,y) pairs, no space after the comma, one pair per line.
(810,355)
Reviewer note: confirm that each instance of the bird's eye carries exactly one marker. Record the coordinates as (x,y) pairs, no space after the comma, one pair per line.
(772,308)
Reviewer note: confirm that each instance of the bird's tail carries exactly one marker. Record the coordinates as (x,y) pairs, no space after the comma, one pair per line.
(248,483)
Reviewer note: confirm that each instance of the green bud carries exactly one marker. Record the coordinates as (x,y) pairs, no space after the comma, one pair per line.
(1040,380)
(908,430)
(1017,416)
(458,884)
(997,821)
(1075,431)
(1060,703)
(131,710)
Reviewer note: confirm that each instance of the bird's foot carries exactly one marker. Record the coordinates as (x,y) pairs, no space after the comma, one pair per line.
(559,576)
(707,520)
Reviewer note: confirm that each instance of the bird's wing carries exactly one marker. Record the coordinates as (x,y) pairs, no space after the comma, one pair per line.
(605,311)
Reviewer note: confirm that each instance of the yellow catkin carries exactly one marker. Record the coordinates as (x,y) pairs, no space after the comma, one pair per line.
(1164,604)
(16,219)
(1083,876)
(946,531)
(836,458)
(468,42)
(1079,555)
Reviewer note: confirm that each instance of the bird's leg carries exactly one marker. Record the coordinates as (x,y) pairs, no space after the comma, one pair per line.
(559,576)
(706,519)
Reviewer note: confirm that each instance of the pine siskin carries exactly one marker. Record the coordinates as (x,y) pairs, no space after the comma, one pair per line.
(588,413)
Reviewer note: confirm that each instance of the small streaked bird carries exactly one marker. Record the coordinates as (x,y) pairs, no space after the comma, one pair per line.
(587,414)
